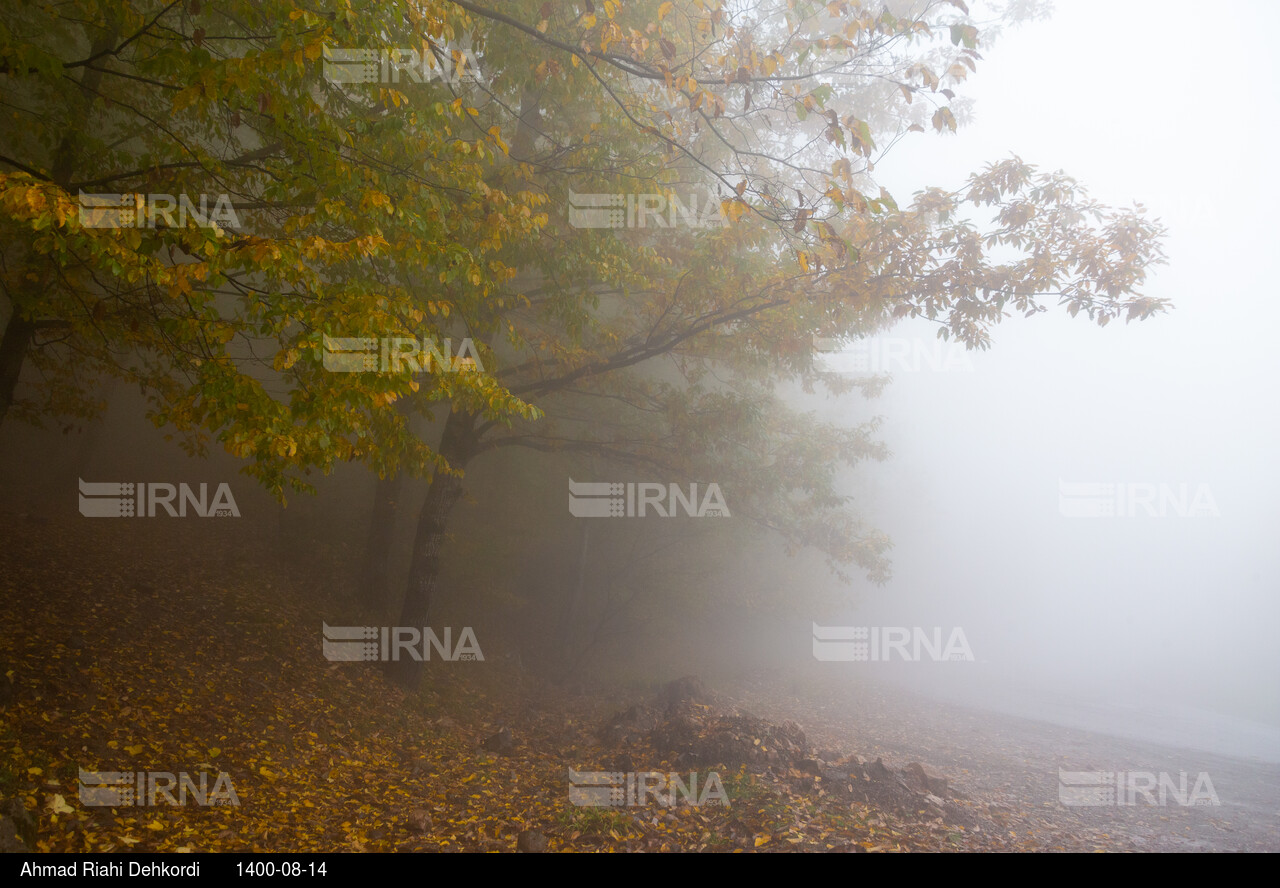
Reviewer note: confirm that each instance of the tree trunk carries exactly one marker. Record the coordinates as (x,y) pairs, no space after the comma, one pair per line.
(20,330)
(377,553)
(575,599)
(93,432)
(13,351)
(457,446)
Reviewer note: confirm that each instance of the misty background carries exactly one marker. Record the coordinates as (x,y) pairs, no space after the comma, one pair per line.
(1159,628)
(1156,627)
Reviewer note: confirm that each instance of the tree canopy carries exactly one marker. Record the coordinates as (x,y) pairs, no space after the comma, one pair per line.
(450,189)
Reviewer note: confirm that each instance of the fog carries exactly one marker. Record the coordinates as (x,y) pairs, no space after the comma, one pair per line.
(1080,576)
(1162,624)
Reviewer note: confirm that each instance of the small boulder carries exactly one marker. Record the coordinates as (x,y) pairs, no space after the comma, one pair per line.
(10,843)
(503,742)
(15,816)
(530,841)
(877,770)
(629,725)
(923,780)
(688,689)
(419,821)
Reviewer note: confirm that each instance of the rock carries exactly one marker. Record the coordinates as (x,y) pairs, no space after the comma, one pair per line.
(621,762)
(805,782)
(503,742)
(10,843)
(530,841)
(24,825)
(629,725)
(419,821)
(676,737)
(924,780)
(7,690)
(688,689)
(877,770)
(730,740)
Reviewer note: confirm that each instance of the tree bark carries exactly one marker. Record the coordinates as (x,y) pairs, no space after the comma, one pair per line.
(20,330)
(575,598)
(377,553)
(457,445)
(13,352)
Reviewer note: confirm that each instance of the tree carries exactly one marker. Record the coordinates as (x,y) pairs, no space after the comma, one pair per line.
(660,351)
(298,208)
(448,210)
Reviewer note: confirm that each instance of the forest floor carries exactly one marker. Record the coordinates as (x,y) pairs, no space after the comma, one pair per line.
(1013,764)
(125,647)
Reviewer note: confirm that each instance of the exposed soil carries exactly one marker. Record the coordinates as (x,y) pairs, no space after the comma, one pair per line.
(1012,765)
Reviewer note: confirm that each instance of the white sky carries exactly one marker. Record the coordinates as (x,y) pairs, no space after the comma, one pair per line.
(1145,101)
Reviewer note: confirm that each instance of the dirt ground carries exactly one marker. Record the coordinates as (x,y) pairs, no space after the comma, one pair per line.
(1010,767)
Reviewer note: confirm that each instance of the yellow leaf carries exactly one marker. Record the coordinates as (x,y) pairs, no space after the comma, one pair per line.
(58,805)
(135,749)
(664,9)
(762,840)
(155,825)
